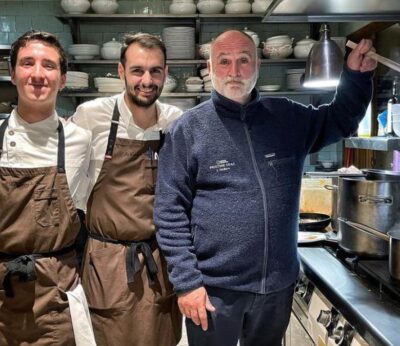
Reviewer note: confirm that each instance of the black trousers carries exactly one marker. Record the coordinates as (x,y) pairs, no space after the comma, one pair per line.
(253,319)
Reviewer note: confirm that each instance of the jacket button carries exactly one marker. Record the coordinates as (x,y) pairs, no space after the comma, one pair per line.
(11,132)
(13,144)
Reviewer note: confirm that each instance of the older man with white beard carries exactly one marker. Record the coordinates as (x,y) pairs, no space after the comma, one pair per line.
(227,197)
(124,274)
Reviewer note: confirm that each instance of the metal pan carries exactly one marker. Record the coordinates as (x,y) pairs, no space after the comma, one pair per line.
(314,222)
(392,237)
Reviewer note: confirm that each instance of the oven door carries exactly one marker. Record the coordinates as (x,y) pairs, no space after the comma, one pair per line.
(297,332)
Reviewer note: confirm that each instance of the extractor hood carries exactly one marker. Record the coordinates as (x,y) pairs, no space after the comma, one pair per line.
(332,11)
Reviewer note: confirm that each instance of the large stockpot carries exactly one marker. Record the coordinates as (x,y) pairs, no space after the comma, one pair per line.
(393,237)
(373,203)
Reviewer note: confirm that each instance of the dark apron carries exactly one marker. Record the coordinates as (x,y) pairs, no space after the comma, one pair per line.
(38,226)
(124,273)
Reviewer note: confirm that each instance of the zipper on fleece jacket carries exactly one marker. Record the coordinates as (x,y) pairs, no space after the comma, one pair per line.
(264,197)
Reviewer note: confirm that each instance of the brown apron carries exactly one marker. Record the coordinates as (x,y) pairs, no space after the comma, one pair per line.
(124,274)
(38,226)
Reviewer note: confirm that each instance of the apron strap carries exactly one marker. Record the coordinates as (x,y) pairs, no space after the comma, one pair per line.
(3,129)
(61,148)
(23,267)
(112,136)
(132,259)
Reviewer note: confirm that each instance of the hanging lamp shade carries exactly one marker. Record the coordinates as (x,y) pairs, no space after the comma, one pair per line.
(324,62)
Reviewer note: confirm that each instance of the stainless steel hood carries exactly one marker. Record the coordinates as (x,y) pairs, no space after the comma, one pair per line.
(332,10)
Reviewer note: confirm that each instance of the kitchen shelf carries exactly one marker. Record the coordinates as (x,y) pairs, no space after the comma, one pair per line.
(5,79)
(184,62)
(373,143)
(5,47)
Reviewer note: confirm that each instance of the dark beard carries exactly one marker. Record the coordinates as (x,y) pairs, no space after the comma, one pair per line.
(143,102)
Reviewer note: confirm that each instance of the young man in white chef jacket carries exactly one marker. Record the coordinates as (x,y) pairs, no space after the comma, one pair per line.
(43,162)
(124,274)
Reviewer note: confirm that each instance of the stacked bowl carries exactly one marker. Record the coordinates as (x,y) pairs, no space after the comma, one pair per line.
(180,42)
(109,85)
(278,47)
(293,78)
(181,103)
(182,7)
(206,79)
(75,6)
(237,6)
(170,84)
(210,6)
(204,50)
(104,6)
(77,80)
(194,84)
(84,51)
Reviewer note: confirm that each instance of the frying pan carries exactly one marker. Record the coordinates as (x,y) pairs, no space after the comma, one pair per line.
(315,222)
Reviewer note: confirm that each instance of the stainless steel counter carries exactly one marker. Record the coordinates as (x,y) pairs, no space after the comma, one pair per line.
(375,315)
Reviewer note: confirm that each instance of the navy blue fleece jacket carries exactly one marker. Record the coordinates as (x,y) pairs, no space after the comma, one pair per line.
(227,198)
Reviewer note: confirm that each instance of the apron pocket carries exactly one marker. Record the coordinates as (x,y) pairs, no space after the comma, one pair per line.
(105,282)
(47,208)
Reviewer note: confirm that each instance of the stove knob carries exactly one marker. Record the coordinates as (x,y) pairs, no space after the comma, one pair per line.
(338,334)
(325,317)
(301,289)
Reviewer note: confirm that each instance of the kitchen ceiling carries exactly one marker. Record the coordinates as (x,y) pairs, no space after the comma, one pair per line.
(332,10)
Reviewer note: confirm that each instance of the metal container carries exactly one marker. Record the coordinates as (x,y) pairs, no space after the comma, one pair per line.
(373,203)
(393,240)
(334,187)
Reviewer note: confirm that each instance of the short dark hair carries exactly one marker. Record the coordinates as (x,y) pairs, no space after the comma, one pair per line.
(42,36)
(144,40)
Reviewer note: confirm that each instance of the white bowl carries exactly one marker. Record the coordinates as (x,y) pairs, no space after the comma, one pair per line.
(269,87)
(84,57)
(110,53)
(113,43)
(210,6)
(104,6)
(260,6)
(277,52)
(204,50)
(75,6)
(204,72)
(327,164)
(182,8)
(279,40)
(182,1)
(238,7)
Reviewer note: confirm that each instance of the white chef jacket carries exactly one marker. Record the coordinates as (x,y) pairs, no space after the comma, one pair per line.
(96,115)
(32,145)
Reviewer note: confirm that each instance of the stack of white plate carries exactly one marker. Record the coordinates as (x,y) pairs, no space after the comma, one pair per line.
(269,87)
(194,84)
(84,51)
(293,76)
(182,104)
(206,79)
(109,85)
(179,41)
(77,80)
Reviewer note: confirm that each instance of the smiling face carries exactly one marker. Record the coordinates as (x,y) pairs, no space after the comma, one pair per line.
(144,73)
(234,66)
(37,75)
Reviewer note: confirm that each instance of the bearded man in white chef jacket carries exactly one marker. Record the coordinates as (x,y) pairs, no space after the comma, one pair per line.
(124,274)
(43,161)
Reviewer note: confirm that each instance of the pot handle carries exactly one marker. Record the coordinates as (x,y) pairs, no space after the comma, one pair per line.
(331,187)
(365,199)
(365,229)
